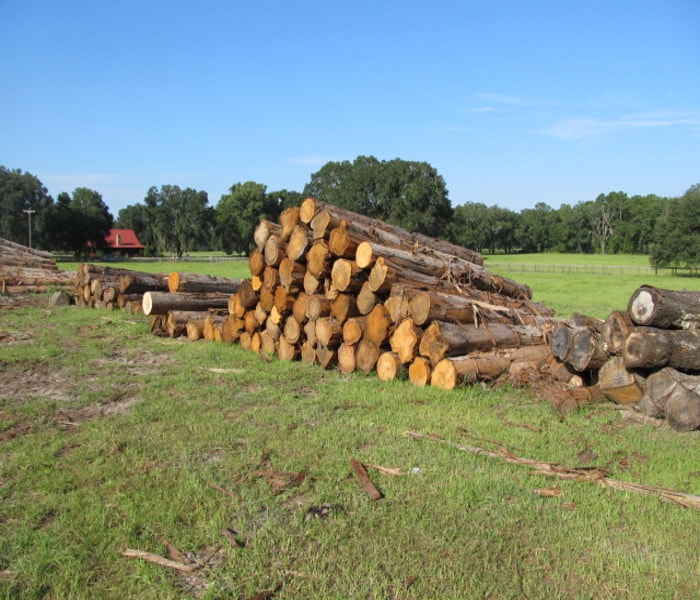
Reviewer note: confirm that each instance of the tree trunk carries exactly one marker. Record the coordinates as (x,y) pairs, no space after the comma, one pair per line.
(159,303)
(299,242)
(659,387)
(580,347)
(176,321)
(291,275)
(616,328)
(353,330)
(289,218)
(329,332)
(263,231)
(366,355)
(377,325)
(346,358)
(451,372)
(666,309)
(343,307)
(683,409)
(325,356)
(193,282)
(389,366)
(405,339)
(139,283)
(419,371)
(651,348)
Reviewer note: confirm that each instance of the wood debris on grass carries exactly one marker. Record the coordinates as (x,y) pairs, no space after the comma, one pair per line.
(595,474)
(361,474)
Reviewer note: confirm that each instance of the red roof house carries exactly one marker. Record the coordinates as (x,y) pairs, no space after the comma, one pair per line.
(123,241)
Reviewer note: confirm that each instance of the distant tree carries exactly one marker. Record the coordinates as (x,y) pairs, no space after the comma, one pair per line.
(537,228)
(467,226)
(635,230)
(20,191)
(80,221)
(177,220)
(500,226)
(574,228)
(284,199)
(677,233)
(406,193)
(239,212)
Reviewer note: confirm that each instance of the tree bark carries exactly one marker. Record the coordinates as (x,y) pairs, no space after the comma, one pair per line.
(651,348)
(159,303)
(451,372)
(138,283)
(616,328)
(666,309)
(194,282)
(659,387)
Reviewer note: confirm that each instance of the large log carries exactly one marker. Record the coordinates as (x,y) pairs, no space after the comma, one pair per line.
(405,339)
(419,371)
(442,339)
(667,309)
(195,282)
(453,371)
(659,387)
(263,231)
(389,366)
(159,303)
(616,328)
(176,321)
(651,348)
(135,282)
(579,346)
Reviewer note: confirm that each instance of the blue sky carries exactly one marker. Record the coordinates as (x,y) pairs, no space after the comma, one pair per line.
(513,102)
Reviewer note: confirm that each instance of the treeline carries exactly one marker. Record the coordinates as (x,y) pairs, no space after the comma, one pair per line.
(174,221)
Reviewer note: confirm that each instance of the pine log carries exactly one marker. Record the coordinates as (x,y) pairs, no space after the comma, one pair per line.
(299,307)
(135,282)
(231,329)
(323,223)
(353,330)
(268,344)
(244,340)
(366,355)
(377,325)
(340,243)
(579,346)
(292,331)
(317,259)
(256,281)
(266,299)
(451,372)
(256,262)
(317,306)
(274,251)
(405,339)
(616,328)
(271,277)
(287,351)
(442,339)
(194,282)
(372,230)
(176,321)
(419,371)
(273,329)
(389,366)
(346,358)
(310,332)
(250,322)
(289,218)
(299,242)
(366,299)
(398,303)
(263,231)
(194,329)
(311,284)
(346,276)
(343,307)
(291,275)
(651,348)
(329,332)
(666,309)
(618,384)
(159,303)
(284,302)
(212,327)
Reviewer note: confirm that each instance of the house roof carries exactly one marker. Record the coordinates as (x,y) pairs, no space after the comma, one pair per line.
(120,239)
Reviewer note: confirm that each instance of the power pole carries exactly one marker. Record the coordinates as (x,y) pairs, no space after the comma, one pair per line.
(29,212)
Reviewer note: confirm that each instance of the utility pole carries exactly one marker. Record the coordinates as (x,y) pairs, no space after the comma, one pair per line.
(29,212)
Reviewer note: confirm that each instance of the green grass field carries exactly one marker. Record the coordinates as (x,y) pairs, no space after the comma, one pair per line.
(114,439)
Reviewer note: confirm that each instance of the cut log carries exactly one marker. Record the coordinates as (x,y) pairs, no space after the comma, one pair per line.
(274,251)
(343,307)
(308,352)
(659,387)
(311,284)
(389,366)
(310,332)
(579,346)
(404,341)
(451,372)
(299,242)
(194,282)
(267,299)
(366,299)
(340,243)
(372,230)
(666,309)
(287,351)
(651,348)
(284,302)
(366,355)
(616,328)
(346,276)
(231,329)
(292,331)
(317,259)
(398,303)
(289,218)
(138,283)
(268,344)
(256,262)
(377,325)
(618,384)
(419,371)
(441,339)
(263,231)
(212,327)
(159,303)
(346,358)
(176,321)
(299,307)
(291,275)
(273,329)
(271,278)
(195,329)
(329,332)
(325,356)
(353,330)
(683,409)
(317,306)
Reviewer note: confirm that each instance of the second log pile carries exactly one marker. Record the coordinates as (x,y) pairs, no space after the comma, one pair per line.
(647,356)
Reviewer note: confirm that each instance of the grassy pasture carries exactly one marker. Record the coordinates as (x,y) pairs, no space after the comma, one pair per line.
(111,439)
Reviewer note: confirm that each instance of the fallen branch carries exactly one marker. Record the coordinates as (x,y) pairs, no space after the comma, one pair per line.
(361,474)
(595,474)
(156,559)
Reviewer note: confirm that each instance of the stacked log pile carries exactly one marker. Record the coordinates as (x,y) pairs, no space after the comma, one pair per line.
(27,269)
(335,288)
(647,356)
